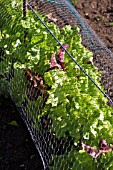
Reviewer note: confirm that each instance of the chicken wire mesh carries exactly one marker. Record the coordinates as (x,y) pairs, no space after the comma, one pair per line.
(64,109)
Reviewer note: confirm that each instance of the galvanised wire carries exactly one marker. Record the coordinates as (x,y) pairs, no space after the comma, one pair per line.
(82,69)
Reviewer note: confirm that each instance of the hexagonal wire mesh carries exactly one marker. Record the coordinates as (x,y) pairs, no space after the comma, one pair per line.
(63,108)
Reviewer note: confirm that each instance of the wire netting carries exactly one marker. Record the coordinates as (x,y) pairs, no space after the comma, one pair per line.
(49,58)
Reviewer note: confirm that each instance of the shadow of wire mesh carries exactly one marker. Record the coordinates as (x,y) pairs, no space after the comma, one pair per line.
(53,150)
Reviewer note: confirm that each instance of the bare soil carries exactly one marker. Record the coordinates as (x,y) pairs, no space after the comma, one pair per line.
(17,150)
(99,15)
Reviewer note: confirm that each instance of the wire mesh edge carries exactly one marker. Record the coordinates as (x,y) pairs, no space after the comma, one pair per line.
(31,130)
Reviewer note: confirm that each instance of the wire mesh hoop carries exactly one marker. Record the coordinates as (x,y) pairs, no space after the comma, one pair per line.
(55,150)
(63,13)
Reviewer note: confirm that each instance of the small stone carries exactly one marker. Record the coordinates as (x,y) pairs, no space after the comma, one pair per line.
(22,165)
(87,15)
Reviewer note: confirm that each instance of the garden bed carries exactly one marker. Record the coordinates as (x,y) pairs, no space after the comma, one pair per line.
(26,158)
(99,15)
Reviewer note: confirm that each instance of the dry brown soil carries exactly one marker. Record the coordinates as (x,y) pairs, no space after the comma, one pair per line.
(99,15)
